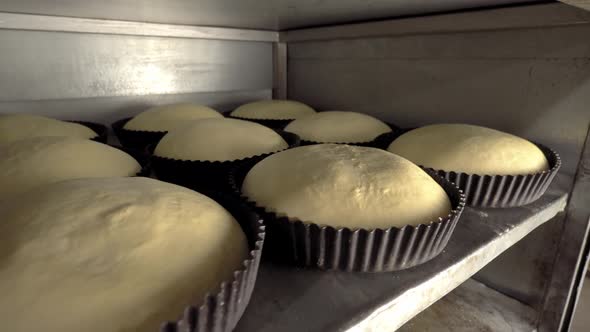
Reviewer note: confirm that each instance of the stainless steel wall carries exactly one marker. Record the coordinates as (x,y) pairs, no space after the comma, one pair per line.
(254,14)
(93,75)
(533,82)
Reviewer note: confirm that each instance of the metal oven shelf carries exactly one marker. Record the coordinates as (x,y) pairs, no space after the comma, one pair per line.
(474,307)
(288,299)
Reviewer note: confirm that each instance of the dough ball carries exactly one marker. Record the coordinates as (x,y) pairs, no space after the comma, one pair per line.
(219,139)
(168,117)
(273,110)
(18,126)
(470,149)
(111,254)
(37,161)
(346,186)
(338,127)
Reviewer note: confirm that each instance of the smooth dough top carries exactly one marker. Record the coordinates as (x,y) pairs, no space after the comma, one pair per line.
(346,186)
(18,126)
(168,117)
(33,162)
(110,254)
(219,139)
(273,110)
(338,127)
(470,149)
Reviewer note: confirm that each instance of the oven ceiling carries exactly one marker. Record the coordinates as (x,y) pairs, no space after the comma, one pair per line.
(252,14)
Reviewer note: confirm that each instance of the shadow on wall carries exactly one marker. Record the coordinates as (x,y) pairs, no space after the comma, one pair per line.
(534,83)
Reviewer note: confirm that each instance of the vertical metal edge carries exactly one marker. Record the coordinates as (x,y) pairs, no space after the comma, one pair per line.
(578,282)
(563,289)
(279,90)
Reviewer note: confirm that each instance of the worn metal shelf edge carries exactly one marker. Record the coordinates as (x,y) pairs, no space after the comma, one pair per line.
(288,299)
(116,27)
(464,310)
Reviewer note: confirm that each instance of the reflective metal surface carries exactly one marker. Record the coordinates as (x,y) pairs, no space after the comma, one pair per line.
(288,299)
(534,256)
(254,14)
(280,70)
(474,307)
(536,86)
(85,25)
(54,65)
(535,16)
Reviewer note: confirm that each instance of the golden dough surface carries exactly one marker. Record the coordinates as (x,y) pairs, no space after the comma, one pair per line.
(111,254)
(470,149)
(18,126)
(338,127)
(346,186)
(29,163)
(273,110)
(168,117)
(219,140)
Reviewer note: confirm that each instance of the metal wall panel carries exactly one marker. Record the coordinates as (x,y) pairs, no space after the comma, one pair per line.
(52,65)
(542,15)
(255,14)
(35,22)
(531,82)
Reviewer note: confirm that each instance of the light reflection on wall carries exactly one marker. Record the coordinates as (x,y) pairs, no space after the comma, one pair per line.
(150,78)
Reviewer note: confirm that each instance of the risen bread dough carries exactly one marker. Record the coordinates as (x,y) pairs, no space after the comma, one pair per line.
(168,117)
(32,162)
(111,254)
(338,127)
(273,110)
(346,186)
(219,139)
(18,126)
(469,149)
